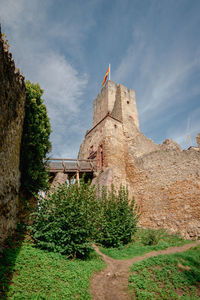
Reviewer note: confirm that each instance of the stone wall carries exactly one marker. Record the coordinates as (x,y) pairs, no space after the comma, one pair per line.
(166,185)
(164,180)
(12,101)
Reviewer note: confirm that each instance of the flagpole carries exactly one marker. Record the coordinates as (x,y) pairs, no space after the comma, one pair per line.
(109,72)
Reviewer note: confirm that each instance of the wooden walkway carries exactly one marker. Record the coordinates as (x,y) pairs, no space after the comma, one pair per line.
(72,167)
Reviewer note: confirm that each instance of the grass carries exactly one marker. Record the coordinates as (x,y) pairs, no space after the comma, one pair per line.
(29,273)
(139,246)
(174,276)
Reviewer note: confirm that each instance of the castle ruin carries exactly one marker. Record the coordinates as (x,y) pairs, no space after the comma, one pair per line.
(164,180)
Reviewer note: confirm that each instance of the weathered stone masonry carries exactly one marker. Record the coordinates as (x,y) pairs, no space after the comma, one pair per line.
(12,101)
(164,180)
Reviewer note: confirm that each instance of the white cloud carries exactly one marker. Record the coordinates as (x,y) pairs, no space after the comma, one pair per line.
(162,80)
(21,15)
(62,83)
(11,11)
(164,75)
(160,75)
(169,82)
(157,64)
(190,127)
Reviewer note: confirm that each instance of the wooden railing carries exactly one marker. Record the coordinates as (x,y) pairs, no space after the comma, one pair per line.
(71,165)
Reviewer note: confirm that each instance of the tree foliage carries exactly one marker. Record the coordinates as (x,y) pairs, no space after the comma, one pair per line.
(63,221)
(35,141)
(117,219)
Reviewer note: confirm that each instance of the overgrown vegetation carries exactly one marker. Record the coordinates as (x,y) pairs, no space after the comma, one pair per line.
(174,276)
(70,218)
(142,243)
(117,218)
(152,237)
(35,141)
(63,221)
(30,273)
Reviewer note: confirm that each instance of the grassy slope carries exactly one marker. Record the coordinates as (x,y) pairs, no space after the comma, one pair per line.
(30,273)
(37,274)
(174,276)
(136,248)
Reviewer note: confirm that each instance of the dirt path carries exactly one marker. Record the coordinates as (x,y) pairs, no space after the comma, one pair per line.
(112,282)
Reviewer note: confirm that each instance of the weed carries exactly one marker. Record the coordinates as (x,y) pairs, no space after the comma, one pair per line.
(152,237)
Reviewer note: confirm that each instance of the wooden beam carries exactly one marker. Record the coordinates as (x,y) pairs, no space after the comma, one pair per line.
(77,177)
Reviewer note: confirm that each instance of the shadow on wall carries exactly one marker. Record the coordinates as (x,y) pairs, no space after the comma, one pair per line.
(7,260)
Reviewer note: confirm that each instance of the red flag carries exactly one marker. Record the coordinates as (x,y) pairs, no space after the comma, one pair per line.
(108,71)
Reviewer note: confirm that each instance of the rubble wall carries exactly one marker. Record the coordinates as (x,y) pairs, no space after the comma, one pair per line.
(166,186)
(12,101)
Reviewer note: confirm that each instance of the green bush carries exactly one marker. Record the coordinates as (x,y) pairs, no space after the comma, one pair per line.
(152,236)
(117,218)
(71,217)
(64,220)
(35,141)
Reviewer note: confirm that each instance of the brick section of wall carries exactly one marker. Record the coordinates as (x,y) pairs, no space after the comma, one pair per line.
(12,101)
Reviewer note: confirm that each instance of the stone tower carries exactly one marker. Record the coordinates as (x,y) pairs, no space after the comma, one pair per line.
(113,110)
(164,180)
(116,101)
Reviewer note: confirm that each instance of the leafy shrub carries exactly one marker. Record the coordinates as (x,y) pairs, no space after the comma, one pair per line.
(117,218)
(70,217)
(64,220)
(35,141)
(152,236)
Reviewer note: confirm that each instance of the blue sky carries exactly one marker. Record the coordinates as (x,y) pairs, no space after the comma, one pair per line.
(153,47)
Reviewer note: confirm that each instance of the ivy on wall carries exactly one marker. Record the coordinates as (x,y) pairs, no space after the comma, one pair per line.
(35,141)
